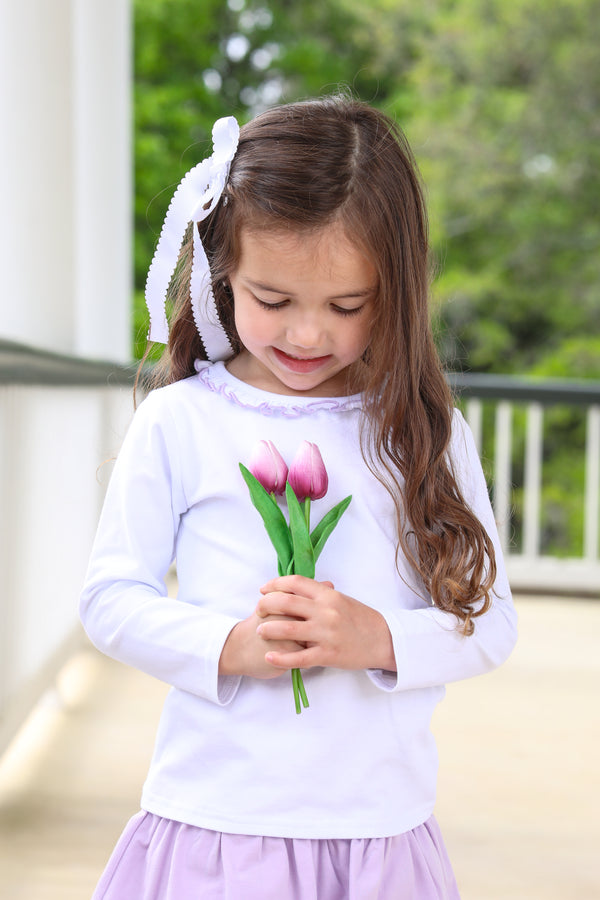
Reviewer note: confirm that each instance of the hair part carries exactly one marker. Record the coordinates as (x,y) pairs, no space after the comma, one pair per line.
(302,167)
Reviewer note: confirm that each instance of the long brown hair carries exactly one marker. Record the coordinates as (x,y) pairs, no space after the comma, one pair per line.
(304,166)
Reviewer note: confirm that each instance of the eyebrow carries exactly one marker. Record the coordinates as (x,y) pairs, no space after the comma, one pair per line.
(349,295)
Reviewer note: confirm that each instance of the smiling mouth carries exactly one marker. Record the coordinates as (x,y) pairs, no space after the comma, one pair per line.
(301,364)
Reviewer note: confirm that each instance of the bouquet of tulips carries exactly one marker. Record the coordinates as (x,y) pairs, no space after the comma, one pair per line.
(297,547)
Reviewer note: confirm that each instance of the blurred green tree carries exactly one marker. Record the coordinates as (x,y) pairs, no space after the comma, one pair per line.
(507,128)
(499,98)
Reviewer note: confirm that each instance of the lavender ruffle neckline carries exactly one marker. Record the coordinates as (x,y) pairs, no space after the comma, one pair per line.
(217,379)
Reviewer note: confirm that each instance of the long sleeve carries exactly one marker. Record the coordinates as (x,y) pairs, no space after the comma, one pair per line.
(429,647)
(124,605)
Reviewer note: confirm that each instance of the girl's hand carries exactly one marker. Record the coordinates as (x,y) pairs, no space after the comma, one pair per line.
(334,629)
(244,650)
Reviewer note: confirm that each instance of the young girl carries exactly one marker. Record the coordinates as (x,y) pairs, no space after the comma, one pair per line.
(301,315)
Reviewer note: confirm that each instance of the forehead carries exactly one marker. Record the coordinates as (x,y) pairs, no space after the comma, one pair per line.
(326,253)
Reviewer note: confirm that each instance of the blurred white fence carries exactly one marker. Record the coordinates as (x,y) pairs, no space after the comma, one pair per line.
(524,444)
(63,419)
(60,419)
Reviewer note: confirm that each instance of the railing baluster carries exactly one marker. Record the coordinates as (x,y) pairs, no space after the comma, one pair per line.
(502,470)
(533,480)
(592,484)
(474,410)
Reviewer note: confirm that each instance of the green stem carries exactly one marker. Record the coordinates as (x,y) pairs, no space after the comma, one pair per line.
(299,680)
(295,685)
(301,690)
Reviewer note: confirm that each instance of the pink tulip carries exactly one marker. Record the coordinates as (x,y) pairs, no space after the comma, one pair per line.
(308,475)
(268,466)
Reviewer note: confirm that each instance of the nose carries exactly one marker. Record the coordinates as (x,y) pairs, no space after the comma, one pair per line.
(305,331)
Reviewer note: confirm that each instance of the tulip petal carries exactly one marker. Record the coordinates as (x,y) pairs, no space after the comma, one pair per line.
(268,467)
(307,474)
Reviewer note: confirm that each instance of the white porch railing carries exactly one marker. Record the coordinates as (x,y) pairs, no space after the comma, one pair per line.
(60,418)
(531,565)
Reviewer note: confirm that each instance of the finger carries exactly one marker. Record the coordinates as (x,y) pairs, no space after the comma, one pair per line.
(302,659)
(286,630)
(270,618)
(290,584)
(281,604)
(295,584)
(285,647)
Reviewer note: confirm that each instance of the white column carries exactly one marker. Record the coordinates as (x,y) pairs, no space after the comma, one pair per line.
(36,161)
(65,158)
(103,178)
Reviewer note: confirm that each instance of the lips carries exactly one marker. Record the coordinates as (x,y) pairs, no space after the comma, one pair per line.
(301,365)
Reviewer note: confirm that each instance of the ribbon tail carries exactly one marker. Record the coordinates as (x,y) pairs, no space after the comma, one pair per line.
(167,250)
(204,309)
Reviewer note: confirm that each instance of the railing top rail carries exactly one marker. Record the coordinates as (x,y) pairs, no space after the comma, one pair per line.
(519,389)
(20,364)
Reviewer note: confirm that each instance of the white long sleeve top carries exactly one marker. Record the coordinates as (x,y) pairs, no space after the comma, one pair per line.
(231,753)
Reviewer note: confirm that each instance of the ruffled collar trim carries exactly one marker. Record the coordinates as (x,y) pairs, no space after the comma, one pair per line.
(217,379)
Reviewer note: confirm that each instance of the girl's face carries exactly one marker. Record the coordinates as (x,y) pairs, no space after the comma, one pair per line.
(303,309)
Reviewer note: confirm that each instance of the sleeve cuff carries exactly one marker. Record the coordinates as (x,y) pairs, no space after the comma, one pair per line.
(227,688)
(221,689)
(383,679)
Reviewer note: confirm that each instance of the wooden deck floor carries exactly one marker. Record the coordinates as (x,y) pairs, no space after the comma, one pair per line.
(519,781)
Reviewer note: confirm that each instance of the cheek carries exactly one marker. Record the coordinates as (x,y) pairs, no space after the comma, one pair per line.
(243,318)
(361,337)
(251,325)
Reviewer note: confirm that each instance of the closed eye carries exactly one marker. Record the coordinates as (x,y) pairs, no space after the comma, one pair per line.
(342,311)
(339,310)
(272,306)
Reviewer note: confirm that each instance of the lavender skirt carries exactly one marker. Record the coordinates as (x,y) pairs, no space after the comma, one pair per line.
(158,859)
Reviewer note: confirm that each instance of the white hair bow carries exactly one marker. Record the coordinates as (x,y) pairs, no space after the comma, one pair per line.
(197,195)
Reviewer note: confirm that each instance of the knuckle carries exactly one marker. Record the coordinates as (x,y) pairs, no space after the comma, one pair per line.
(332,619)
(336,601)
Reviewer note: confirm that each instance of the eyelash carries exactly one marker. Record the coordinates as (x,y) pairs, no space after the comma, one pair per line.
(348,312)
(272,306)
(338,309)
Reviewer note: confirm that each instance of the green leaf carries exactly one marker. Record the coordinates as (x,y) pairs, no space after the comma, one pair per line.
(322,531)
(304,557)
(273,518)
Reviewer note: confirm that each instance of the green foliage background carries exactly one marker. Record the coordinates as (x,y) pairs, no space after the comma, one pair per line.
(500,100)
